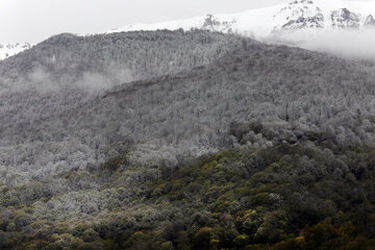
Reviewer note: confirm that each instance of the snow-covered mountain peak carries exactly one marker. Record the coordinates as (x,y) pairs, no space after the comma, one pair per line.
(214,24)
(344,18)
(332,14)
(290,16)
(370,21)
(299,14)
(208,22)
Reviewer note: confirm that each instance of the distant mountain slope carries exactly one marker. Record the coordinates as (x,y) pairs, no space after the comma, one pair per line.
(291,16)
(312,14)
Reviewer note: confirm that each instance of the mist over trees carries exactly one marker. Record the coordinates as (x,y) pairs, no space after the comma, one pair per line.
(91,126)
(221,80)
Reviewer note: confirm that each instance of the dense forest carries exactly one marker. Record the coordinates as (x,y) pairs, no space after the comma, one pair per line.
(185,140)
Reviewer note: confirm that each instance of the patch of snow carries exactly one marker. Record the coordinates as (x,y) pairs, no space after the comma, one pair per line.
(10,49)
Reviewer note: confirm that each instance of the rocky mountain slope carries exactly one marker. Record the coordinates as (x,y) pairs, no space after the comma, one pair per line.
(309,14)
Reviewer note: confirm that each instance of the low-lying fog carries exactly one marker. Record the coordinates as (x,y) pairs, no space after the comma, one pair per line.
(351,44)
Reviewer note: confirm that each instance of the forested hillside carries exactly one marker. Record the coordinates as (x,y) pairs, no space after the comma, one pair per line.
(129,56)
(44,86)
(185,140)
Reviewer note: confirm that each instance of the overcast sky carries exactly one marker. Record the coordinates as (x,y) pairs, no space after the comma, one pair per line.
(35,20)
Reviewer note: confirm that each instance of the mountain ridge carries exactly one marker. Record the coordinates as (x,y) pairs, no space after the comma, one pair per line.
(292,16)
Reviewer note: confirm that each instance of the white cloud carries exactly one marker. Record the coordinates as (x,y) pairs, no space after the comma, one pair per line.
(351,44)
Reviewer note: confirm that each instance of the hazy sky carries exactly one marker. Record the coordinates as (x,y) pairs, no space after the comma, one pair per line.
(34,20)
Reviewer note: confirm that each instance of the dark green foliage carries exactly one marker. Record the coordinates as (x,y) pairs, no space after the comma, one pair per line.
(281,197)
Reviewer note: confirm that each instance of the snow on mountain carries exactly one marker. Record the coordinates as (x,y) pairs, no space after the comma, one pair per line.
(333,14)
(290,16)
(370,21)
(281,19)
(259,21)
(10,49)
